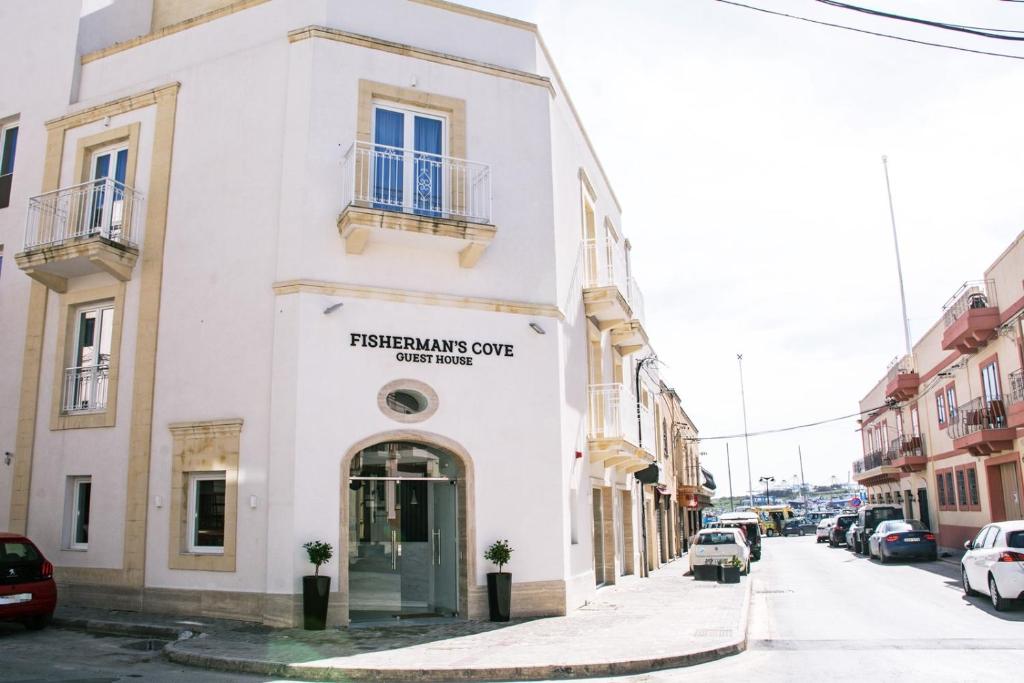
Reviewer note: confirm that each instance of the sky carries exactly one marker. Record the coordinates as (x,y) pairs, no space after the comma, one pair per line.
(746,152)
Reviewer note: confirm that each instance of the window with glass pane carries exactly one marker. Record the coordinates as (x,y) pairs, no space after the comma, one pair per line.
(990,381)
(206,512)
(8,146)
(81,494)
(972,485)
(961,488)
(940,486)
(951,401)
(940,406)
(85,382)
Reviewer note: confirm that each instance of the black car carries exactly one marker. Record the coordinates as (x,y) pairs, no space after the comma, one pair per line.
(869,517)
(798,526)
(837,534)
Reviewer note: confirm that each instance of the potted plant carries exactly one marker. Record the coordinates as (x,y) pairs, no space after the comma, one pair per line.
(499,583)
(729,571)
(316,589)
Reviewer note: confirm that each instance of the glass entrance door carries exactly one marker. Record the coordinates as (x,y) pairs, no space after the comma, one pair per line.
(403,536)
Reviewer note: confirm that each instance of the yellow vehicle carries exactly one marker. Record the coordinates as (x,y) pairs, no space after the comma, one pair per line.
(772,518)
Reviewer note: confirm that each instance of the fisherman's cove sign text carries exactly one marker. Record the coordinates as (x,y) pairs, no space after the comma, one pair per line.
(431,350)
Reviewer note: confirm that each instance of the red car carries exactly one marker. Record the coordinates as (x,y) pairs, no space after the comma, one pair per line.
(27,591)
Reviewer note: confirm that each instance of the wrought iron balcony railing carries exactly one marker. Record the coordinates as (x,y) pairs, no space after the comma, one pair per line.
(420,183)
(85,388)
(972,294)
(1016,394)
(104,208)
(977,415)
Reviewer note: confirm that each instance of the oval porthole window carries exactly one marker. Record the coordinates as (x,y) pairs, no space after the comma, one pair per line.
(407,400)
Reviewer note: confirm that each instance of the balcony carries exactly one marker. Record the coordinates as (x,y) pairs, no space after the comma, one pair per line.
(981,427)
(971,317)
(876,468)
(88,228)
(1015,400)
(612,429)
(398,195)
(908,453)
(610,296)
(902,381)
(85,389)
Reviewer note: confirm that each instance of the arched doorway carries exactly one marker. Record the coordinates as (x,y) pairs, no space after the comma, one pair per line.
(405,504)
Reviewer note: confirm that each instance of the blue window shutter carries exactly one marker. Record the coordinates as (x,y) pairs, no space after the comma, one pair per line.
(428,166)
(388,166)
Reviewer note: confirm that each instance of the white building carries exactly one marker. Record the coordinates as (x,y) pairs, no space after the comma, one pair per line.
(285,270)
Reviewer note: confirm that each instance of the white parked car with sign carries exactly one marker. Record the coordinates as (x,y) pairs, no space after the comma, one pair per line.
(994,563)
(717,546)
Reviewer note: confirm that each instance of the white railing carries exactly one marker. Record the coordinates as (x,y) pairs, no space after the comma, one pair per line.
(605,266)
(973,294)
(636,300)
(104,208)
(613,415)
(85,388)
(399,179)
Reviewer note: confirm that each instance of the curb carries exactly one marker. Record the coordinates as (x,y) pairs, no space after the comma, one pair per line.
(117,628)
(524,673)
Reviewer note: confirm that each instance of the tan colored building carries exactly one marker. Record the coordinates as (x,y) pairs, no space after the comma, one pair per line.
(940,431)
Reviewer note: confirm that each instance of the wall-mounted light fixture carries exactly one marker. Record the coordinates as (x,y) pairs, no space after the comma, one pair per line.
(158,501)
(537,328)
(7,458)
(252,502)
(332,308)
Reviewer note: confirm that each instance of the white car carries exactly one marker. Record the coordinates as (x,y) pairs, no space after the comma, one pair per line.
(824,526)
(716,546)
(994,563)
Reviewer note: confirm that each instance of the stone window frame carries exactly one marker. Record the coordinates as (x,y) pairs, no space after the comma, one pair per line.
(69,303)
(433,403)
(198,447)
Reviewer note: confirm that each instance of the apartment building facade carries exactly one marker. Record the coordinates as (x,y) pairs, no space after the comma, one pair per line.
(286,270)
(940,433)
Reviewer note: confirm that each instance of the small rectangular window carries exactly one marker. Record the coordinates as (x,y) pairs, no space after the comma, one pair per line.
(8,147)
(961,488)
(941,489)
(951,401)
(77,517)
(972,486)
(86,378)
(940,408)
(206,512)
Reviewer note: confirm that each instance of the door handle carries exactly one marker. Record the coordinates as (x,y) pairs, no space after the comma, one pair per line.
(394,549)
(437,546)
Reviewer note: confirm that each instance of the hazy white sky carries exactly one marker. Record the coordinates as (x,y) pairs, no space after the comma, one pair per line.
(745,149)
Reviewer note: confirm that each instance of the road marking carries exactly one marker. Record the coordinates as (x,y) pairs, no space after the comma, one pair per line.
(888,644)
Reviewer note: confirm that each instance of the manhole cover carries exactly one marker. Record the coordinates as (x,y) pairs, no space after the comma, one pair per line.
(150,645)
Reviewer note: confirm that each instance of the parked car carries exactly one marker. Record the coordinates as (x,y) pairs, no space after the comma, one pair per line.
(868,519)
(798,526)
(994,563)
(837,534)
(902,539)
(717,545)
(851,535)
(821,533)
(28,593)
(748,521)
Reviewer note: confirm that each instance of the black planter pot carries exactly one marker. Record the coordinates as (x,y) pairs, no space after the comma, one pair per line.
(499,595)
(315,592)
(705,572)
(728,574)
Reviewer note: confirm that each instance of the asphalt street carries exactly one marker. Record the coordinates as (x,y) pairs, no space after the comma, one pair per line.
(821,613)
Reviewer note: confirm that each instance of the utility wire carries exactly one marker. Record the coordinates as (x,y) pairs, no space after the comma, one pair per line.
(785,429)
(871,33)
(973,30)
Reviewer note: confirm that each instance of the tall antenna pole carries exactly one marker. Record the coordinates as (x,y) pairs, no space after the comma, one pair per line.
(746,437)
(896,243)
(728,468)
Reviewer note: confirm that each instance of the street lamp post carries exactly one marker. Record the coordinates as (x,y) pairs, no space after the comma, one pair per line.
(767,494)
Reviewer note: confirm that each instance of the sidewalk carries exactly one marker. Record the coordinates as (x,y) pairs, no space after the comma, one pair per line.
(666,621)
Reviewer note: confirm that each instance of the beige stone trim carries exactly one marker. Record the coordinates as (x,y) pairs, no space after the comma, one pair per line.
(25,438)
(433,403)
(453,108)
(165,100)
(172,29)
(357,223)
(88,145)
(588,187)
(116,260)
(469,599)
(479,14)
(529,599)
(412,297)
(62,359)
(209,446)
(372,43)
